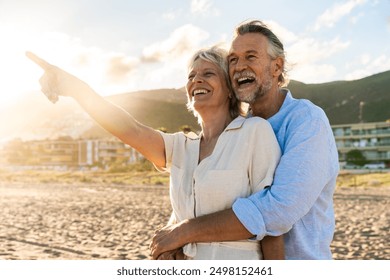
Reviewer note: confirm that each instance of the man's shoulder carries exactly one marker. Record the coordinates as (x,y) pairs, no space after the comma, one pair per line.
(306,106)
(304,110)
(300,115)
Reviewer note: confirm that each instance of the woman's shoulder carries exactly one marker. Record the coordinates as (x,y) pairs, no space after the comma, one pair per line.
(250,125)
(256,122)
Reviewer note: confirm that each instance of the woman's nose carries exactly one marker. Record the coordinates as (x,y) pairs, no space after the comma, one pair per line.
(197,79)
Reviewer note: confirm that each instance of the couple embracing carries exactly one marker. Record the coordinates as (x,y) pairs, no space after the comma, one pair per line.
(251,185)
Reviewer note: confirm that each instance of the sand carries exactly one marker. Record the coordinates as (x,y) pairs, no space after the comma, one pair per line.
(82,221)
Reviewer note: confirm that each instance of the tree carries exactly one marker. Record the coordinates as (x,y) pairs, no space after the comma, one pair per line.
(163,129)
(185,128)
(356,157)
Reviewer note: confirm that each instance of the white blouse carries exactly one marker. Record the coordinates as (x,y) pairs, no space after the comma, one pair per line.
(243,162)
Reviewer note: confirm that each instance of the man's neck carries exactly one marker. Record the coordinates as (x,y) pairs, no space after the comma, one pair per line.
(269,104)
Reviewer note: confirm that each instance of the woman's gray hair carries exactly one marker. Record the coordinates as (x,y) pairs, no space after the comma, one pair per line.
(275,46)
(217,56)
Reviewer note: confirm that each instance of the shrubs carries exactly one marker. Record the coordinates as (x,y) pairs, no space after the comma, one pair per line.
(143,165)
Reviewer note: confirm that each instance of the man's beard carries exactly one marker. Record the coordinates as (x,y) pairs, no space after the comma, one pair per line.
(260,91)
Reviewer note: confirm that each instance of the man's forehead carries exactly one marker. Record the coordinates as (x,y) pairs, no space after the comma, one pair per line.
(244,48)
(251,42)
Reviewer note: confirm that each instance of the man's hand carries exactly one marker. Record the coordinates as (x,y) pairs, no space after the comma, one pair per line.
(176,254)
(55,81)
(166,239)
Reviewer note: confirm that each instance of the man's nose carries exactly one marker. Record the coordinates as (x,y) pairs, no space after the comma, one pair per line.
(240,65)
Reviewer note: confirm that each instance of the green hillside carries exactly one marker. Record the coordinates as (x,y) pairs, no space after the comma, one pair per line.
(156,108)
(159,108)
(37,118)
(340,101)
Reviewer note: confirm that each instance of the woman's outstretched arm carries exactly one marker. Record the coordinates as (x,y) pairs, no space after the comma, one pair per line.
(57,82)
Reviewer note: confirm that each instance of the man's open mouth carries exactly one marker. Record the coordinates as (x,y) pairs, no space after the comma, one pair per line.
(245,80)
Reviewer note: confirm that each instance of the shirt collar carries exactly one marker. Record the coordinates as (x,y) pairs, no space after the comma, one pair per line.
(236,123)
(287,101)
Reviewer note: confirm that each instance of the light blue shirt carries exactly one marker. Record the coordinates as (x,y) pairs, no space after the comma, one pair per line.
(299,204)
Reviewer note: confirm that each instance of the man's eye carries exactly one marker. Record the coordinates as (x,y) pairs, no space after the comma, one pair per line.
(232,60)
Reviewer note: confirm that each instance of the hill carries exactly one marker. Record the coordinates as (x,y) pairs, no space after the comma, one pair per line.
(163,108)
(36,118)
(341,99)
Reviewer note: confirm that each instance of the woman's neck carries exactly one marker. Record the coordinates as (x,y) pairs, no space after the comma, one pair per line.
(212,127)
(214,124)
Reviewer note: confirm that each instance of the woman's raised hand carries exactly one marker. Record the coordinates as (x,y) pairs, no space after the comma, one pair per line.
(55,81)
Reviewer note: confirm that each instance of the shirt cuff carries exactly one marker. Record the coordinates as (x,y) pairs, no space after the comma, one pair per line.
(248,214)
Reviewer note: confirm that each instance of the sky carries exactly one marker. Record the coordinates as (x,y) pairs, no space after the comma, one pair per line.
(121,46)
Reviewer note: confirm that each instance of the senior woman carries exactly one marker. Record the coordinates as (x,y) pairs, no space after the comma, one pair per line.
(232,157)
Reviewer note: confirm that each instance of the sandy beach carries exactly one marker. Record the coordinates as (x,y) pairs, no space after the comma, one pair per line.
(84,221)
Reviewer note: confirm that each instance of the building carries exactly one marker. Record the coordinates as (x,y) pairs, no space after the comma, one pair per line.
(65,152)
(372,139)
(105,152)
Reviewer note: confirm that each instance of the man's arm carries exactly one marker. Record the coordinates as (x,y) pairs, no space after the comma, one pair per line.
(208,228)
(272,247)
(309,162)
(211,228)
